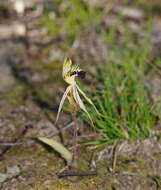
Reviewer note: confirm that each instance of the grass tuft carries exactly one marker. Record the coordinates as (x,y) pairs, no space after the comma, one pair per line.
(122,97)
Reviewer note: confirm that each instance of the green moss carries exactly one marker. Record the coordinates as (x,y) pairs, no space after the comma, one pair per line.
(157,156)
(102,165)
(126,164)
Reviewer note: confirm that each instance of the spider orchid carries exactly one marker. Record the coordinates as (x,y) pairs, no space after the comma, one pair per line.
(72,91)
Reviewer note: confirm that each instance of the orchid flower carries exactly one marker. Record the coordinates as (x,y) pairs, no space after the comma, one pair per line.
(72,91)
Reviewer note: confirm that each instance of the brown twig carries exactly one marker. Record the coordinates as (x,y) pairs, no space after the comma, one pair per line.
(23,132)
(73,173)
(32,141)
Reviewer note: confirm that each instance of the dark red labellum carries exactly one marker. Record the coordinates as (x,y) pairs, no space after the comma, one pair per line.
(81,74)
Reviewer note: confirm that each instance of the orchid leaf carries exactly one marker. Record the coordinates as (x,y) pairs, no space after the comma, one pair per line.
(64,152)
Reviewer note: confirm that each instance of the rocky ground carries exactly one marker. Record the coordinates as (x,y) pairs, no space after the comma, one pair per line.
(28,104)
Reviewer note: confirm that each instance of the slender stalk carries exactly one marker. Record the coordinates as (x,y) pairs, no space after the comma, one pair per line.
(75,135)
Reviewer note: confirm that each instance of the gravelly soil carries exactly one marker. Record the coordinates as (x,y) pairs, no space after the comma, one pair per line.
(25,112)
(137,167)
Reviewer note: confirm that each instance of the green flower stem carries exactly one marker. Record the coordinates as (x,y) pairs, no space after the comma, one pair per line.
(75,134)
